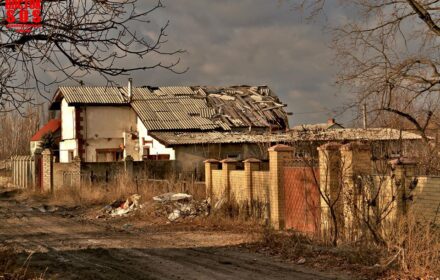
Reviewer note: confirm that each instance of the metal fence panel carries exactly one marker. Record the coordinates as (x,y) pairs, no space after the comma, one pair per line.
(302,199)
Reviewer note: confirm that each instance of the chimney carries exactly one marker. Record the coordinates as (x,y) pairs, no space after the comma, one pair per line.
(331,121)
(130,89)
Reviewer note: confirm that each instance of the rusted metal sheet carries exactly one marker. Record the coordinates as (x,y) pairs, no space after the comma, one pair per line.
(302,199)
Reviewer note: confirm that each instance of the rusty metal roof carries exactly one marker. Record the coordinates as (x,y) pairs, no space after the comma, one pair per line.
(172,112)
(217,137)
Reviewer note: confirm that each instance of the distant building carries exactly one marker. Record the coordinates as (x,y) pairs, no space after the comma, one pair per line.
(330,124)
(53,126)
(196,146)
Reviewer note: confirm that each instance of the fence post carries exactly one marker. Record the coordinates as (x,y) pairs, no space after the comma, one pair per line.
(330,188)
(250,165)
(210,165)
(47,170)
(128,167)
(277,155)
(14,171)
(36,169)
(227,166)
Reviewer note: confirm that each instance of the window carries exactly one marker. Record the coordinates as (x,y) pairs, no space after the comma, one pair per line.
(109,155)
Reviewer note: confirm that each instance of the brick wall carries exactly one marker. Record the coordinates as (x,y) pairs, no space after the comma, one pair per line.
(47,171)
(243,186)
(218,190)
(239,190)
(260,181)
(426,198)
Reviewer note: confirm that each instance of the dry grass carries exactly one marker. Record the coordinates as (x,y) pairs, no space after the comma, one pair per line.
(293,246)
(414,250)
(98,194)
(10,269)
(229,218)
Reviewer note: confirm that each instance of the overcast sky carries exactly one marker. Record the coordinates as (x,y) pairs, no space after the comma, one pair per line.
(252,42)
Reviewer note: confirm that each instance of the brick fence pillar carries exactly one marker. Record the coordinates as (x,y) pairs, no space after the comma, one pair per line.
(227,166)
(250,165)
(277,155)
(47,163)
(403,171)
(210,165)
(356,165)
(76,172)
(330,187)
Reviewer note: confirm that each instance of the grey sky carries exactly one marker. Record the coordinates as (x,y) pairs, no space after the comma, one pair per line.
(251,42)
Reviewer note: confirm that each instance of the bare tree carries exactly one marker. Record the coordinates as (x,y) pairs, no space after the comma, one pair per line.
(388,53)
(16,131)
(77,38)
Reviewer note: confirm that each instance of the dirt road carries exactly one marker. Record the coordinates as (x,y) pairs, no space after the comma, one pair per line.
(71,248)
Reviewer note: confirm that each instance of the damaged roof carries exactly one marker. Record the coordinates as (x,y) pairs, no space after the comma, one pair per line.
(350,134)
(188,108)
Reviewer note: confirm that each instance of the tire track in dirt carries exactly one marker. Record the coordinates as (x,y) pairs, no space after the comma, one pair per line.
(74,249)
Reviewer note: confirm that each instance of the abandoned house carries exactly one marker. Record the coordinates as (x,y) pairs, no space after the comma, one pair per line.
(103,124)
(191,124)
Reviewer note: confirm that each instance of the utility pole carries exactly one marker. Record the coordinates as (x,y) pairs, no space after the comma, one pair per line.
(364,111)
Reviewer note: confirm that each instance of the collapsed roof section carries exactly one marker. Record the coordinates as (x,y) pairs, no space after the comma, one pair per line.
(198,108)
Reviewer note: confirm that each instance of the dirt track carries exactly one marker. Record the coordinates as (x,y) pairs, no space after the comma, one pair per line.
(71,248)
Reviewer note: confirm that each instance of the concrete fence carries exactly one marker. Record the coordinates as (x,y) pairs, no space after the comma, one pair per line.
(25,171)
(76,173)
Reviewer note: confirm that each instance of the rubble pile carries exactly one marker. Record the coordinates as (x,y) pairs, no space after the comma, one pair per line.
(121,207)
(176,206)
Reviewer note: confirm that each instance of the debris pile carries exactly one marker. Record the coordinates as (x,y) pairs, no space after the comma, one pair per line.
(181,205)
(121,207)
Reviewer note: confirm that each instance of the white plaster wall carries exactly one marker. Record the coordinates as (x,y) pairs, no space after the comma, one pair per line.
(65,147)
(156,147)
(68,121)
(104,128)
(108,122)
(108,143)
(34,145)
(131,146)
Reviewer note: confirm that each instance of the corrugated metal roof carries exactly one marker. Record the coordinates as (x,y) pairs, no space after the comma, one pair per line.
(189,108)
(94,95)
(216,137)
(177,90)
